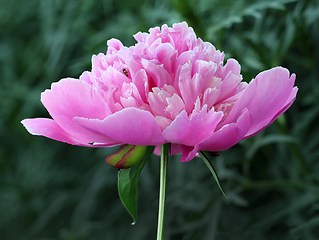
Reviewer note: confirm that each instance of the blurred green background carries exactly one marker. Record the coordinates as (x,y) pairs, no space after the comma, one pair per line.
(54,191)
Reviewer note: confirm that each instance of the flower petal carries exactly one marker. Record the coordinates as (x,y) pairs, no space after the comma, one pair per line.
(49,128)
(192,131)
(264,97)
(130,125)
(158,74)
(188,153)
(290,100)
(71,98)
(228,135)
(166,54)
(222,139)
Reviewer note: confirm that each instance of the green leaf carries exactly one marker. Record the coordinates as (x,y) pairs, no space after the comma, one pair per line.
(128,184)
(212,170)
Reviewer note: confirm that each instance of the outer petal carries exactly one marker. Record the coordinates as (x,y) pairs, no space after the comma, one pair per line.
(228,135)
(130,125)
(49,128)
(222,139)
(290,100)
(264,97)
(192,131)
(71,98)
(188,153)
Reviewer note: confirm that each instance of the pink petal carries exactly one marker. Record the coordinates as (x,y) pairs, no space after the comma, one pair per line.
(224,138)
(130,126)
(158,75)
(264,97)
(155,45)
(189,87)
(166,54)
(140,37)
(188,153)
(229,86)
(175,106)
(210,96)
(180,61)
(49,128)
(287,105)
(163,122)
(157,101)
(205,69)
(113,77)
(140,81)
(71,98)
(289,102)
(114,45)
(99,64)
(192,131)
(231,66)
(228,135)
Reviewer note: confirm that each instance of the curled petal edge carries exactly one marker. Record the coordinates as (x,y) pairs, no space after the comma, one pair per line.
(222,139)
(49,128)
(130,125)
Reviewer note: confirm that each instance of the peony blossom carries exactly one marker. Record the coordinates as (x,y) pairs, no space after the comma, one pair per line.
(170,87)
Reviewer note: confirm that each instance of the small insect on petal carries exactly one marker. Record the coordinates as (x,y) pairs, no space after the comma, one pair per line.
(125,72)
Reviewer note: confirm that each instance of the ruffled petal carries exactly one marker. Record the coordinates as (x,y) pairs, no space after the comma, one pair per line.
(192,131)
(188,153)
(264,97)
(113,45)
(48,128)
(158,75)
(166,54)
(290,100)
(130,126)
(224,138)
(228,135)
(71,98)
(229,86)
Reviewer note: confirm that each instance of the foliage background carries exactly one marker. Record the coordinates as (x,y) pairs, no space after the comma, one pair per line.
(54,191)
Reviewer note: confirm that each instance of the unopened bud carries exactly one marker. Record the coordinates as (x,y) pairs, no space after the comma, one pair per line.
(126,156)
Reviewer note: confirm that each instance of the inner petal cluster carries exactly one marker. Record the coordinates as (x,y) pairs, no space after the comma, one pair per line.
(167,72)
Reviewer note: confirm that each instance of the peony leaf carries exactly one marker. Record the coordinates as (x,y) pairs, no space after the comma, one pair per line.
(212,170)
(128,184)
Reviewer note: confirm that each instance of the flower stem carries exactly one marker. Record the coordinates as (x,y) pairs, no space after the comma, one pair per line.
(162,194)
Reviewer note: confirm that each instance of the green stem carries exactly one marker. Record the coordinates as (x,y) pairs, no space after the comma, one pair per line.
(162,194)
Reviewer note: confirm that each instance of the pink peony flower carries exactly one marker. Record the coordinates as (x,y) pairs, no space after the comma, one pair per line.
(170,87)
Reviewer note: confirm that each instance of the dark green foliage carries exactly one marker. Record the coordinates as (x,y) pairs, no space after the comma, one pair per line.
(54,191)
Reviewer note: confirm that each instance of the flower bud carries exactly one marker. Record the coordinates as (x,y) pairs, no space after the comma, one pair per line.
(126,156)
